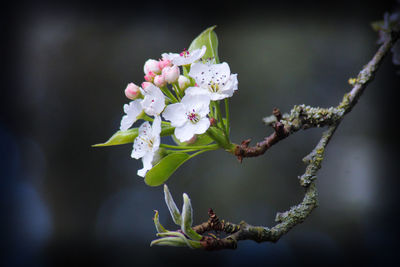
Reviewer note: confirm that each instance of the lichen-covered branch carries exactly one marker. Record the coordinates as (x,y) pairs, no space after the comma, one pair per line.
(284,125)
(300,117)
(305,117)
(286,220)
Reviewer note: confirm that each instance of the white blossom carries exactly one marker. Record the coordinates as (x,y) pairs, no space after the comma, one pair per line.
(186,57)
(154,100)
(189,117)
(151,65)
(133,110)
(214,80)
(147,144)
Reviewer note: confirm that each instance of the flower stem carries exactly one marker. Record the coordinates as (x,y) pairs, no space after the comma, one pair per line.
(214,146)
(227,116)
(147,118)
(201,151)
(220,123)
(168,93)
(177,91)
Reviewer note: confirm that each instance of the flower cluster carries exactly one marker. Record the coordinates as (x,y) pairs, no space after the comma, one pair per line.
(184,90)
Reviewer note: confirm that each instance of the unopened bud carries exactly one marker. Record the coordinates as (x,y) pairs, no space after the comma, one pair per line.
(183,82)
(146,84)
(171,74)
(164,63)
(150,76)
(159,81)
(132,91)
(151,65)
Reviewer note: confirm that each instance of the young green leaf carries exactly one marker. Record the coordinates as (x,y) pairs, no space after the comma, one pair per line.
(159,227)
(120,137)
(173,209)
(210,40)
(165,168)
(125,137)
(187,219)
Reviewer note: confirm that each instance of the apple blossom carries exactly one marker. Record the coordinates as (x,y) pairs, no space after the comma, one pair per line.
(189,117)
(146,84)
(133,110)
(154,100)
(164,63)
(215,80)
(183,82)
(186,57)
(151,65)
(146,144)
(159,81)
(149,77)
(171,74)
(132,91)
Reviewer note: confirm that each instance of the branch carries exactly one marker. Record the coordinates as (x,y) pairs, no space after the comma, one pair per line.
(300,117)
(305,117)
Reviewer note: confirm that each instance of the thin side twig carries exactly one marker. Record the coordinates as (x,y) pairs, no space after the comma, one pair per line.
(300,117)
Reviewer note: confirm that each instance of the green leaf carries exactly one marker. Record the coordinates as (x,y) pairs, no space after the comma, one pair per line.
(219,137)
(120,137)
(210,40)
(187,219)
(165,168)
(159,227)
(125,137)
(175,241)
(173,209)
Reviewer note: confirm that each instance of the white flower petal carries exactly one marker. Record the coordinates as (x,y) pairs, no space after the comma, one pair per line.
(141,145)
(147,160)
(185,132)
(154,100)
(221,72)
(156,127)
(230,87)
(196,91)
(218,96)
(199,104)
(132,111)
(145,130)
(155,133)
(201,73)
(202,126)
(126,122)
(189,129)
(198,53)
(169,56)
(175,113)
(186,57)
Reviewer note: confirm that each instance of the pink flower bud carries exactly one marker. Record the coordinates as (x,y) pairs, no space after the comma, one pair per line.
(146,84)
(132,91)
(183,82)
(164,63)
(151,65)
(159,81)
(171,74)
(150,76)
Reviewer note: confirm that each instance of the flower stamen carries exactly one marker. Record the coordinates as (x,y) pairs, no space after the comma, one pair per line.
(193,117)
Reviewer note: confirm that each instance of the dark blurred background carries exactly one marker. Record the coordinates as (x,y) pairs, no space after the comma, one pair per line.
(65,66)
